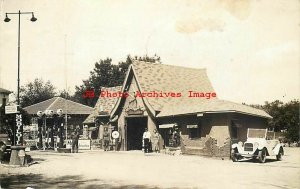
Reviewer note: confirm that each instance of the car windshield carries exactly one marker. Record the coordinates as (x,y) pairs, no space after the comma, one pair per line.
(256,133)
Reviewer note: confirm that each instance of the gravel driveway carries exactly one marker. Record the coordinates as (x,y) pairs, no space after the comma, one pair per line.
(99,169)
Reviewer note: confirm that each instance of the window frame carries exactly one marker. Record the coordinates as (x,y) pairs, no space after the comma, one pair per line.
(195,133)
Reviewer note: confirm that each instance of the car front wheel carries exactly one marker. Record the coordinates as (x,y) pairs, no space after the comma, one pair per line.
(262,156)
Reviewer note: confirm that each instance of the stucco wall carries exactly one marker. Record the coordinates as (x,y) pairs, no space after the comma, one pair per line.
(215,130)
(214,138)
(219,128)
(215,125)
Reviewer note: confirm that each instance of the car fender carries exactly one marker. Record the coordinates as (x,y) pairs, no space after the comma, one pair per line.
(233,146)
(261,145)
(236,148)
(277,149)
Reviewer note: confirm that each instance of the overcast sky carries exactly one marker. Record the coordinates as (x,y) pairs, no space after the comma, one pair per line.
(250,48)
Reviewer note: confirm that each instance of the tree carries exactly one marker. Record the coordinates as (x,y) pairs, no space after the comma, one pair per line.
(35,92)
(285,117)
(65,94)
(291,119)
(106,74)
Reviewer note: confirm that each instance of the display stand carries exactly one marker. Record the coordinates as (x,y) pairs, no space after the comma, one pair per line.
(17,156)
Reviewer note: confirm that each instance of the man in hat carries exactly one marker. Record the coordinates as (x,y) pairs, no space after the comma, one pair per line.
(146,139)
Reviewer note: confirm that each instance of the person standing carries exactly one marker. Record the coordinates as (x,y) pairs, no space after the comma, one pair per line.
(106,137)
(146,139)
(75,138)
(155,141)
(170,138)
(176,137)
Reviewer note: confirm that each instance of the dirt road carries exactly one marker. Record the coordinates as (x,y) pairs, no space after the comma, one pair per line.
(99,169)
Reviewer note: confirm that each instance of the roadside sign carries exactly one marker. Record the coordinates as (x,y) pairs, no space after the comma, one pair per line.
(115,134)
(84,144)
(11,109)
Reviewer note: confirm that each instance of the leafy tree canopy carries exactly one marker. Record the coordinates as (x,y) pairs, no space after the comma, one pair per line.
(35,92)
(285,117)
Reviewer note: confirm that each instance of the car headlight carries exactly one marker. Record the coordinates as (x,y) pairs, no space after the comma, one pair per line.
(255,145)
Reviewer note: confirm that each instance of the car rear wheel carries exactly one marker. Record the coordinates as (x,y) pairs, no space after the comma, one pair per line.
(279,155)
(262,156)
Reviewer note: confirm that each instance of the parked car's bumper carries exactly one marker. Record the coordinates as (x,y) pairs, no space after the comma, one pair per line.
(246,155)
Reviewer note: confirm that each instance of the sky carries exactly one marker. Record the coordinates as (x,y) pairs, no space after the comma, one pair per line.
(249,48)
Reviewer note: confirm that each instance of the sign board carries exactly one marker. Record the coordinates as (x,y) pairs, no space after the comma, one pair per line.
(115,134)
(84,144)
(166,126)
(192,126)
(18,131)
(11,109)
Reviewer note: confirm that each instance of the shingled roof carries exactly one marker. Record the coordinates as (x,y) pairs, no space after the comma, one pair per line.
(169,78)
(56,103)
(213,106)
(106,103)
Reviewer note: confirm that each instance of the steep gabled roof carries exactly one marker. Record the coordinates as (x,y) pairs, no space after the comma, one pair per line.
(167,78)
(56,103)
(107,104)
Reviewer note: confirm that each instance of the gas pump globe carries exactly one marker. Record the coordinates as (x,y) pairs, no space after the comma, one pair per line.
(59,112)
(50,126)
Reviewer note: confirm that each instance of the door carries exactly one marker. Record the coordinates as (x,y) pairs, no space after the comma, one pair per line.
(135,128)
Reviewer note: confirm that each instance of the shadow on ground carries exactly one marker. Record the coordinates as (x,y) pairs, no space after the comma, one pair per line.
(38,181)
(256,161)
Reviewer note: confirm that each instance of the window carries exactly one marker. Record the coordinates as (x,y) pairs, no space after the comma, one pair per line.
(194,131)
(3,101)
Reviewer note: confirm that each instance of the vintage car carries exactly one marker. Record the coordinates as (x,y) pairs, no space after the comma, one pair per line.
(260,143)
(6,139)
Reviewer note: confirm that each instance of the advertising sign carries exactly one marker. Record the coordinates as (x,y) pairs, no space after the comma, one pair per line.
(11,109)
(19,130)
(84,144)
